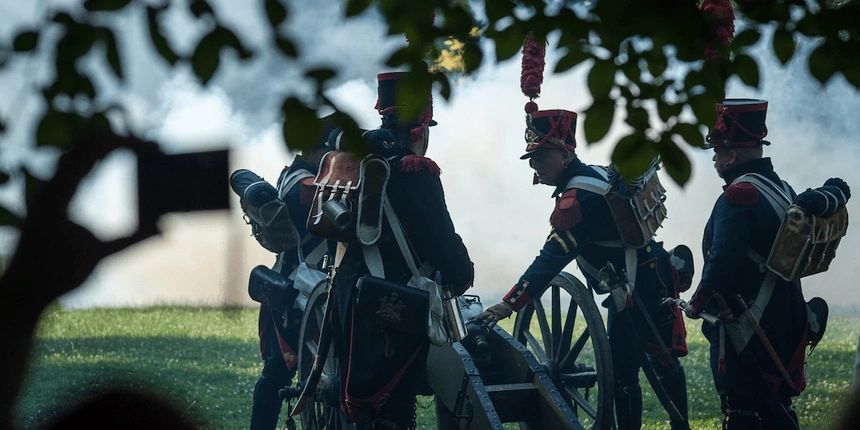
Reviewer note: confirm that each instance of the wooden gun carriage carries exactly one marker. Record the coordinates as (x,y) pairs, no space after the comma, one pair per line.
(553,372)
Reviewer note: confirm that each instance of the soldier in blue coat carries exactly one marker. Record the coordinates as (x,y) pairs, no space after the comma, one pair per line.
(755,389)
(382,367)
(279,328)
(583,228)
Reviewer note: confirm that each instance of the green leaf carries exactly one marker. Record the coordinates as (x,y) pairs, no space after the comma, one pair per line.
(601,79)
(77,42)
(633,155)
(25,41)
(301,125)
(657,64)
(690,133)
(704,106)
(498,9)
(355,7)
(321,75)
(200,8)
(111,51)
(746,38)
(158,40)
(675,161)
(226,37)
(783,45)
(574,57)
(598,119)
(668,110)
(747,70)
(444,83)
(637,118)
(821,64)
(632,71)
(352,140)
(69,81)
(105,5)
(55,129)
(286,46)
(276,12)
(472,56)
(459,22)
(402,56)
(98,123)
(206,58)
(8,218)
(413,94)
(62,18)
(509,42)
(851,69)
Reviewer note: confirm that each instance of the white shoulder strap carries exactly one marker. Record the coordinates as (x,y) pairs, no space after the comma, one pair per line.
(291,180)
(588,183)
(778,197)
(371,252)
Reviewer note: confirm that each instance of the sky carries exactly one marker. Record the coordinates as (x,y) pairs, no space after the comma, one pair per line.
(501,216)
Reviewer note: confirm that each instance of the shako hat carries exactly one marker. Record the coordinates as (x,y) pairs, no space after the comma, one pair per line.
(740,123)
(553,128)
(550,129)
(387,98)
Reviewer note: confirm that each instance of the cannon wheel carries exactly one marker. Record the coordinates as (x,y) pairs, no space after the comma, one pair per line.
(577,357)
(320,413)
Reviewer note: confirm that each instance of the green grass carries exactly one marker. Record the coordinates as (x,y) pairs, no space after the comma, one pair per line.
(207,360)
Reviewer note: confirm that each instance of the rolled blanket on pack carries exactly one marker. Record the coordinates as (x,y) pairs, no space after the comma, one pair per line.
(266,213)
(251,187)
(825,200)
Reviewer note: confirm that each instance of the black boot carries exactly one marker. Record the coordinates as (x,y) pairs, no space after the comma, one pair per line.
(741,416)
(628,407)
(675,383)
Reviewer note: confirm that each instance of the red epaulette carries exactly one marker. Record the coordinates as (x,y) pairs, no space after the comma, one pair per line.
(566,213)
(742,194)
(415,163)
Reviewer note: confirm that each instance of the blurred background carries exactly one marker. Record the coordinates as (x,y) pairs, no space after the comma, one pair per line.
(205,258)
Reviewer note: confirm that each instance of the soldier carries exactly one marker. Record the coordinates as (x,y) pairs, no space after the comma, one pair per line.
(383,367)
(583,228)
(758,366)
(279,328)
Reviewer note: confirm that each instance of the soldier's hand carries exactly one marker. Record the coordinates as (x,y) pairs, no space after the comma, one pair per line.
(691,312)
(494,314)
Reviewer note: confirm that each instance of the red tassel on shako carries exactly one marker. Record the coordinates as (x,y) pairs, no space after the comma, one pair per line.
(544,128)
(721,18)
(532,70)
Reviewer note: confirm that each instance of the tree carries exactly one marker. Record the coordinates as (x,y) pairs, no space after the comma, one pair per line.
(646,59)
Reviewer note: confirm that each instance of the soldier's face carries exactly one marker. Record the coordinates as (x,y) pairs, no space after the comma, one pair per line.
(723,159)
(548,165)
(419,147)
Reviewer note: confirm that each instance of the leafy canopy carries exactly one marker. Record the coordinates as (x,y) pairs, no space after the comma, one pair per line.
(646,60)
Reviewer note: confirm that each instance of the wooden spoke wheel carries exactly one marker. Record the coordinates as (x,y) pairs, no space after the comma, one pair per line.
(569,338)
(323,412)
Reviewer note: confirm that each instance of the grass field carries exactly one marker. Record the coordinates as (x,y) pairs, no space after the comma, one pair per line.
(207,360)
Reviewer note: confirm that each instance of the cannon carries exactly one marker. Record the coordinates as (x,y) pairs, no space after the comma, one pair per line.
(553,372)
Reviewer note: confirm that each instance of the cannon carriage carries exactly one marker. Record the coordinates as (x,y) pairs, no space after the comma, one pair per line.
(553,372)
